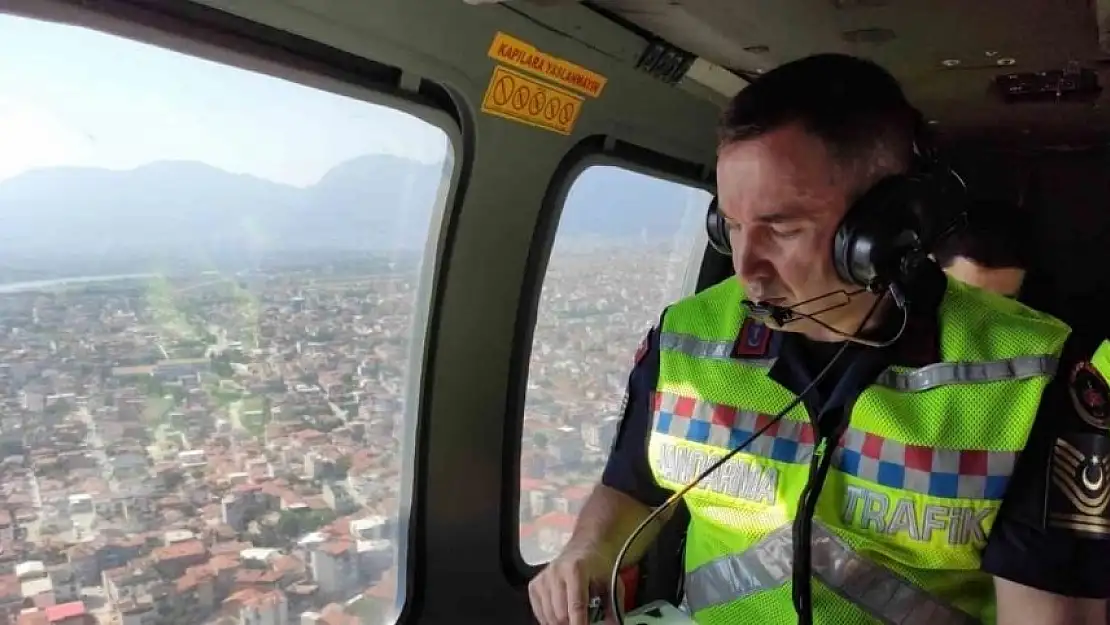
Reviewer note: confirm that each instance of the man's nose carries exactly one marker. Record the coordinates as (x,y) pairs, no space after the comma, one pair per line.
(747,259)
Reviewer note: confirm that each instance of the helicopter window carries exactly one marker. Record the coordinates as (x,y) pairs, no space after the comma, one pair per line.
(211,294)
(622,250)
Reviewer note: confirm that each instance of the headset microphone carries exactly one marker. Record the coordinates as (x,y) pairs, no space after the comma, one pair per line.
(781,315)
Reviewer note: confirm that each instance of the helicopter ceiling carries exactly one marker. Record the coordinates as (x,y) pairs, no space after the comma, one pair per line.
(947,53)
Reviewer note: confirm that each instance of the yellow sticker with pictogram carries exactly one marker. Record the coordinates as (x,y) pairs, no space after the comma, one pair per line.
(514,96)
(523,56)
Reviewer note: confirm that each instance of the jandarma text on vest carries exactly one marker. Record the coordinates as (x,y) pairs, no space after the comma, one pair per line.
(735,478)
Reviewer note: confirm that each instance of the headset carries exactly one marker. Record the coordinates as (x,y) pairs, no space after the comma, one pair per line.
(889,231)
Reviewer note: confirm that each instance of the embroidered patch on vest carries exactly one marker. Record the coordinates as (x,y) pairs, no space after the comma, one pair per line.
(1090,395)
(1079,490)
(754,339)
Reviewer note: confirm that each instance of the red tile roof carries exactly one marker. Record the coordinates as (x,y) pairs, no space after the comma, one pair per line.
(63,611)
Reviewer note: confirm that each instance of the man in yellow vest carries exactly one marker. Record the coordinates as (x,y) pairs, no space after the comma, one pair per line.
(927,513)
(990,252)
(994,252)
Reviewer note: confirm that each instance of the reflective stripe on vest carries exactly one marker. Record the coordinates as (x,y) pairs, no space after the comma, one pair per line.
(876,590)
(900,379)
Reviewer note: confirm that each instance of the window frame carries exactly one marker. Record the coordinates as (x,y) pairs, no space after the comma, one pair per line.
(216,36)
(590,152)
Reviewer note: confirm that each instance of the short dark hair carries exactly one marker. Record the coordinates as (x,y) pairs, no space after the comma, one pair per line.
(854,106)
(997,236)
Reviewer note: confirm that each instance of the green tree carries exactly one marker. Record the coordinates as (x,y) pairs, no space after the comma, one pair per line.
(59,408)
(342,467)
(294,523)
(154,387)
(540,440)
(173,479)
(222,367)
(289,524)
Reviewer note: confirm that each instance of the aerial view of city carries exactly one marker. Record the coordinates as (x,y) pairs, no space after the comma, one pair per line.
(193,448)
(206,333)
(176,447)
(589,325)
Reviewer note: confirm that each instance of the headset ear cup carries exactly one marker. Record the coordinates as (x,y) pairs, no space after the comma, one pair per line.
(842,249)
(717,230)
(900,218)
(880,230)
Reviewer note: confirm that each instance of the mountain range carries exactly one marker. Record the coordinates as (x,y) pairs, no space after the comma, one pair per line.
(197,214)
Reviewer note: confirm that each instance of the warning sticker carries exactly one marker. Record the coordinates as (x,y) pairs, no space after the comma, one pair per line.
(516,53)
(514,96)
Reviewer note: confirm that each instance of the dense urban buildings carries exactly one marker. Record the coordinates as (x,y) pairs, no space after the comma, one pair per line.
(225,448)
(589,325)
(204,449)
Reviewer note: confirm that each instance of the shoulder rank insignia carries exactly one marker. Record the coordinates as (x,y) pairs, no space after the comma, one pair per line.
(1090,395)
(1079,490)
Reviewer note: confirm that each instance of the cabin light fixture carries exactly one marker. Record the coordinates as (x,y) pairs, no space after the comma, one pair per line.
(714,77)
(1006,60)
(950,62)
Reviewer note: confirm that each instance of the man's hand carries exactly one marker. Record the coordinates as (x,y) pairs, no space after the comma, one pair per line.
(560,594)
(1018,604)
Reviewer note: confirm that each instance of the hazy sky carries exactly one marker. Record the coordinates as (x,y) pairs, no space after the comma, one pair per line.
(70,96)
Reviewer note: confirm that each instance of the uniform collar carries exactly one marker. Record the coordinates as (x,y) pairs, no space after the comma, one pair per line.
(918,346)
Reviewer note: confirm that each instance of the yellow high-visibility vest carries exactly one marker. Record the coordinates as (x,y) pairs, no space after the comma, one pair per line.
(916,480)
